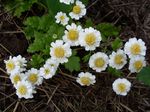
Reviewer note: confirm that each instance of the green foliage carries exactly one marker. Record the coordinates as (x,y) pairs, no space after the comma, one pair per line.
(116,44)
(73,63)
(89,23)
(55,6)
(144,75)
(18,6)
(86,57)
(114,72)
(108,30)
(36,61)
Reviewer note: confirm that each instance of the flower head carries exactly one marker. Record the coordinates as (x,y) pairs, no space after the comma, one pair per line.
(136,64)
(78,11)
(98,61)
(86,79)
(121,86)
(61,18)
(52,63)
(135,47)
(60,51)
(72,34)
(118,59)
(90,39)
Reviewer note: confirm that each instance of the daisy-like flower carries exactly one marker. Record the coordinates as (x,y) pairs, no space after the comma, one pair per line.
(68,2)
(21,61)
(52,63)
(34,77)
(135,47)
(24,89)
(86,79)
(117,59)
(47,71)
(98,61)
(61,18)
(121,86)
(16,77)
(136,64)
(90,39)
(11,65)
(60,51)
(72,34)
(78,11)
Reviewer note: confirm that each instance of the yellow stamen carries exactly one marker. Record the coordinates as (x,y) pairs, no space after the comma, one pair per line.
(138,65)
(33,78)
(99,62)
(59,52)
(90,39)
(47,71)
(10,65)
(121,87)
(135,49)
(16,78)
(22,90)
(62,18)
(118,59)
(73,35)
(76,9)
(85,80)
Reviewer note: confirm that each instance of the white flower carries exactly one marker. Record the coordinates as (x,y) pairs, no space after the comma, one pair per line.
(24,89)
(117,59)
(135,47)
(136,64)
(16,77)
(78,11)
(60,51)
(86,79)
(21,61)
(67,1)
(61,18)
(72,34)
(90,39)
(121,86)
(52,63)
(98,61)
(34,77)
(12,66)
(47,71)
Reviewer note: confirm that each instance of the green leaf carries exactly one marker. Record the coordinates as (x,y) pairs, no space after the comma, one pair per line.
(86,57)
(108,30)
(36,61)
(144,76)
(73,64)
(116,44)
(89,23)
(114,72)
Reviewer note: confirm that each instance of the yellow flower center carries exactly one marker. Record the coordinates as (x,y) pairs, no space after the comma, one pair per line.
(47,71)
(22,89)
(85,80)
(138,65)
(59,52)
(90,39)
(10,65)
(76,9)
(122,87)
(62,17)
(99,62)
(33,78)
(16,78)
(73,35)
(135,49)
(118,59)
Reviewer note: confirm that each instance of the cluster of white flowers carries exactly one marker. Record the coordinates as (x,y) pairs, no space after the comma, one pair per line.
(78,11)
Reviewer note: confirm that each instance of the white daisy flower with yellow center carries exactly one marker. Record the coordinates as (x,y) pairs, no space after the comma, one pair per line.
(21,61)
(72,34)
(90,39)
(135,47)
(52,63)
(86,79)
(34,77)
(117,59)
(136,64)
(68,2)
(47,71)
(78,11)
(60,52)
(16,77)
(11,65)
(98,61)
(61,18)
(24,89)
(121,86)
